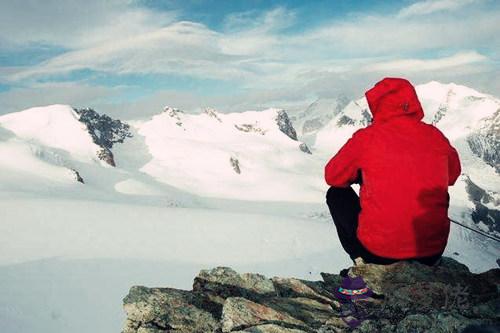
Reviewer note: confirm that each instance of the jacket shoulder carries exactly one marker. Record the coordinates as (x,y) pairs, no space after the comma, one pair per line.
(436,132)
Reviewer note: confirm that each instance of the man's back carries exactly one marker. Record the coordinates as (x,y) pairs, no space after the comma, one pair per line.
(406,167)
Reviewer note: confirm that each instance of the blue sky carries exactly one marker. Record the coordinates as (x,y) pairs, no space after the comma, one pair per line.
(131,58)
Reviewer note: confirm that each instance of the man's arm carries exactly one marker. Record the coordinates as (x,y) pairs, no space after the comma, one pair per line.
(343,169)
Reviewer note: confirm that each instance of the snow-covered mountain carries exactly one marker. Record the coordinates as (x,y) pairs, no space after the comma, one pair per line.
(248,155)
(196,190)
(309,121)
(253,155)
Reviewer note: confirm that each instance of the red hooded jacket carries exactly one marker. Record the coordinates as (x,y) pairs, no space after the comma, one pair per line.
(406,167)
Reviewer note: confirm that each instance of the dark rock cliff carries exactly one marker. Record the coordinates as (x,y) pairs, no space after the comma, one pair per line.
(105,132)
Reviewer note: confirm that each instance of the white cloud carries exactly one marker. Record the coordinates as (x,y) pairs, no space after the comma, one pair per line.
(275,20)
(254,52)
(431,6)
(183,48)
(75,24)
(418,65)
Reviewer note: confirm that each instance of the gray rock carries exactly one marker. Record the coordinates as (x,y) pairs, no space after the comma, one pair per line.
(165,309)
(285,125)
(410,297)
(235,163)
(271,328)
(224,282)
(292,287)
(105,132)
(485,141)
(304,148)
(240,313)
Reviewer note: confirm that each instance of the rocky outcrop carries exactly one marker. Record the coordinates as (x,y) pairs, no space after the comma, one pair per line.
(235,163)
(105,132)
(304,148)
(77,176)
(174,113)
(486,204)
(485,141)
(408,297)
(285,124)
(212,113)
(248,128)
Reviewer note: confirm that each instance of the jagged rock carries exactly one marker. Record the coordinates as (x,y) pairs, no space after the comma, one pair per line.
(285,124)
(77,176)
(270,328)
(235,163)
(291,287)
(105,132)
(303,147)
(166,309)
(410,297)
(486,204)
(107,156)
(239,313)
(250,128)
(485,141)
(212,113)
(226,282)
(434,323)
(345,120)
(174,113)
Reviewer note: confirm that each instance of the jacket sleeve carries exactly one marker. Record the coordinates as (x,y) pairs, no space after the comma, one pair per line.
(454,167)
(342,169)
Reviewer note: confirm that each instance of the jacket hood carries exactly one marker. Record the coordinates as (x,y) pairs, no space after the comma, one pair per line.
(393,97)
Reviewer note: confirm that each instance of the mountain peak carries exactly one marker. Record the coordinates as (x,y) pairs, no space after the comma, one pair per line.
(439,88)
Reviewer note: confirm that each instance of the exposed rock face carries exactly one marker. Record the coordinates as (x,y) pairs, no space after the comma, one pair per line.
(105,132)
(212,113)
(174,113)
(77,176)
(250,128)
(410,297)
(235,163)
(485,141)
(285,124)
(365,120)
(303,147)
(485,206)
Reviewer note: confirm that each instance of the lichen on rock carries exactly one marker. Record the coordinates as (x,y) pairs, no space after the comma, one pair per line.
(409,297)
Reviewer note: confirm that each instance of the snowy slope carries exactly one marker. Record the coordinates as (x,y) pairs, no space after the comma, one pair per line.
(56,127)
(40,147)
(239,156)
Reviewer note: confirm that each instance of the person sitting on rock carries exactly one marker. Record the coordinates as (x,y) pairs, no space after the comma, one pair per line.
(404,167)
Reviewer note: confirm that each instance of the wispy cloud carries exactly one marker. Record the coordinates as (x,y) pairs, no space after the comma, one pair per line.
(255,50)
(431,6)
(73,24)
(417,65)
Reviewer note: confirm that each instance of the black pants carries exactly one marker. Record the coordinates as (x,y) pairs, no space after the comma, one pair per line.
(344,208)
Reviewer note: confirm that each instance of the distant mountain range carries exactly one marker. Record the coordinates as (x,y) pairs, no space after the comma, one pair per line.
(255,155)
